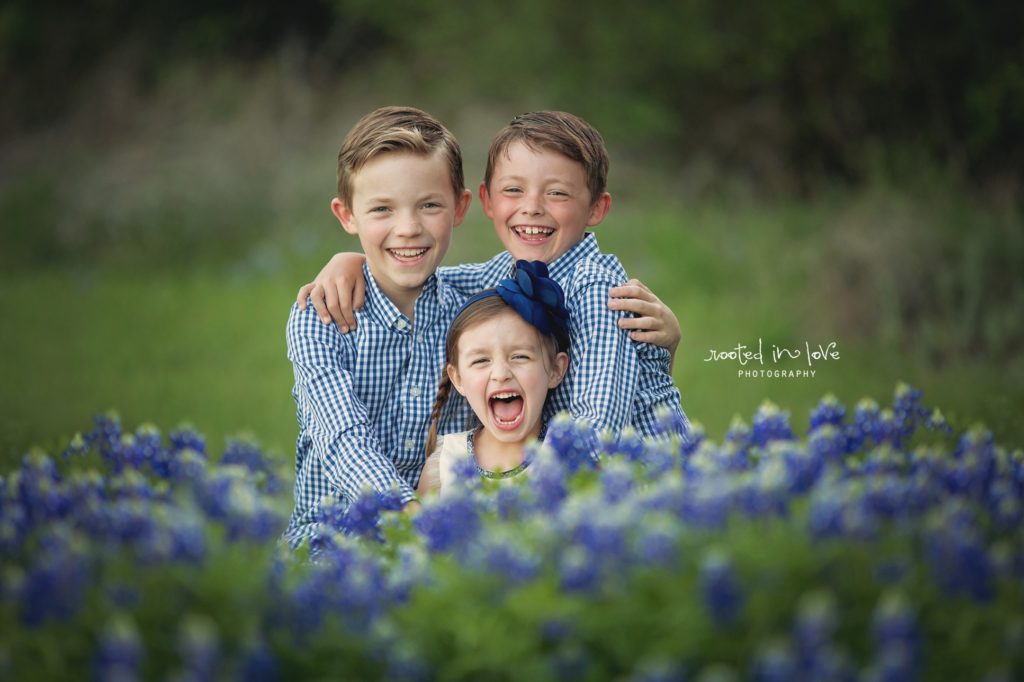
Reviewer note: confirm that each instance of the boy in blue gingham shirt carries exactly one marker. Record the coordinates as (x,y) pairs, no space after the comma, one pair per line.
(363,399)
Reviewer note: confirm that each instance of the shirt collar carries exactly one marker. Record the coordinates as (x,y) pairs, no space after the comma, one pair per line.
(562,266)
(387,313)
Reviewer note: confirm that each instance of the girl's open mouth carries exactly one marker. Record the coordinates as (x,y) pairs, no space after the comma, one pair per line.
(506,410)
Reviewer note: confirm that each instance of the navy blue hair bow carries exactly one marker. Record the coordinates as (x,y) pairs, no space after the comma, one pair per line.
(534,296)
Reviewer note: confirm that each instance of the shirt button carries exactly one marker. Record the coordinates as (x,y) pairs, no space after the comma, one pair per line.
(414,391)
(419,338)
(409,444)
(400,324)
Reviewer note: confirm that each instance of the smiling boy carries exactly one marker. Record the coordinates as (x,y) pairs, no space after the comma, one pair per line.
(363,399)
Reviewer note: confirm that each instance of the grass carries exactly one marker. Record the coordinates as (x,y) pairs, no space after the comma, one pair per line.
(207,345)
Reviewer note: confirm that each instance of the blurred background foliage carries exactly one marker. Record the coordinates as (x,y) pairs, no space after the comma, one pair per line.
(787,170)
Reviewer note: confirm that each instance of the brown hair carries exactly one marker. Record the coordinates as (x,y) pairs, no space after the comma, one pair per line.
(396,129)
(557,131)
(473,314)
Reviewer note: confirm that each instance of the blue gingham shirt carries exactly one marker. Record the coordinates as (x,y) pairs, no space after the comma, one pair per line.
(363,399)
(612,380)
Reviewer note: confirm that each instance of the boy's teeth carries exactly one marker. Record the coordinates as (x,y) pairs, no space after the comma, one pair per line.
(408,253)
(534,230)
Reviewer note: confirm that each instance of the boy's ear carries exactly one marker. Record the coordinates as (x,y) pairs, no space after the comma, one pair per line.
(558,369)
(344,215)
(600,209)
(453,376)
(462,203)
(485,199)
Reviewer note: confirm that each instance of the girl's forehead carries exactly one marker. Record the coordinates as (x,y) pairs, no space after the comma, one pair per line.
(503,329)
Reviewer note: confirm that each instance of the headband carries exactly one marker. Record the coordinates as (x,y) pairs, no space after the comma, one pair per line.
(533,295)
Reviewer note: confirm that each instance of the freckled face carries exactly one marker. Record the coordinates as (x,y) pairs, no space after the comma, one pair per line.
(504,369)
(539,203)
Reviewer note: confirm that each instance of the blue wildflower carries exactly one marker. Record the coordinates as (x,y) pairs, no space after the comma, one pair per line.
(578,570)
(573,442)
(815,624)
(897,639)
(657,669)
(547,481)
(56,583)
(616,481)
(199,647)
(693,441)
(774,662)
(656,542)
(119,656)
(827,443)
(958,557)
(185,437)
(362,518)
(829,411)
(258,663)
(448,522)
(770,424)
(720,589)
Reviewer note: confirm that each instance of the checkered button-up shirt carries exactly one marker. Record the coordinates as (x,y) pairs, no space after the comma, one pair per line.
(363,399)
(612,381)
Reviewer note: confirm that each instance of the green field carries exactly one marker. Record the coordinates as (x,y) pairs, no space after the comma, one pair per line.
(207,345)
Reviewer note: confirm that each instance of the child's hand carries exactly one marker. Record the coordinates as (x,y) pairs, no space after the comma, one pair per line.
(337,291)
(655,323)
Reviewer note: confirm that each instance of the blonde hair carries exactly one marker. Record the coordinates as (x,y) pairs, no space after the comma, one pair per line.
(396,129)
(557,131)
(476,313)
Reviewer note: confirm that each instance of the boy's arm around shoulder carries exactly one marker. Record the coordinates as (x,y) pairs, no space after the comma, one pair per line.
(603,365)
(334,417)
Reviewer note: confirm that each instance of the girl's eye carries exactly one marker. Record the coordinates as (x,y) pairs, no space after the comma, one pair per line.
(477,361)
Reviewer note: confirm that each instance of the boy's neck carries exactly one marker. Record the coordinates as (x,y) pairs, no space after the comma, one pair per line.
(403,299)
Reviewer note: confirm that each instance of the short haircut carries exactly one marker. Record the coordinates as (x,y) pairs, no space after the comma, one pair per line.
(557,131)
(396,129)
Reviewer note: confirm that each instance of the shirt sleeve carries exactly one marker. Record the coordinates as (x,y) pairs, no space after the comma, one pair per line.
(603,365)
(469,278)
(334,417)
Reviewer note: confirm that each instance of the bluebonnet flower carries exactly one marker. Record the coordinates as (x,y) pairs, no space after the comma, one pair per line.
(770,424)
(510,502)
(578,569)
(465,471)
(187,466)
(616,481)
(39,490)
(957,556)
(693,441)
(199,647)
(504,555)
(448,522)
(897,639)
(1005,504)
(660,457)
(105,436)
(362,517)
(738,440)
(865,420)
(247,454)
(185,437)
(829,411)
(547,480)
(827,443)
(573,442)
(628,444)
(56,583)
(258,663)
(774,662)
(720,589)
(76,448)
(815,624)
(119,656)
(656,542)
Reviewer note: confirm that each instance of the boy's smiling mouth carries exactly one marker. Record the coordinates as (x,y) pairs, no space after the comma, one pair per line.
(507,409)
(533,233)
(408,255)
